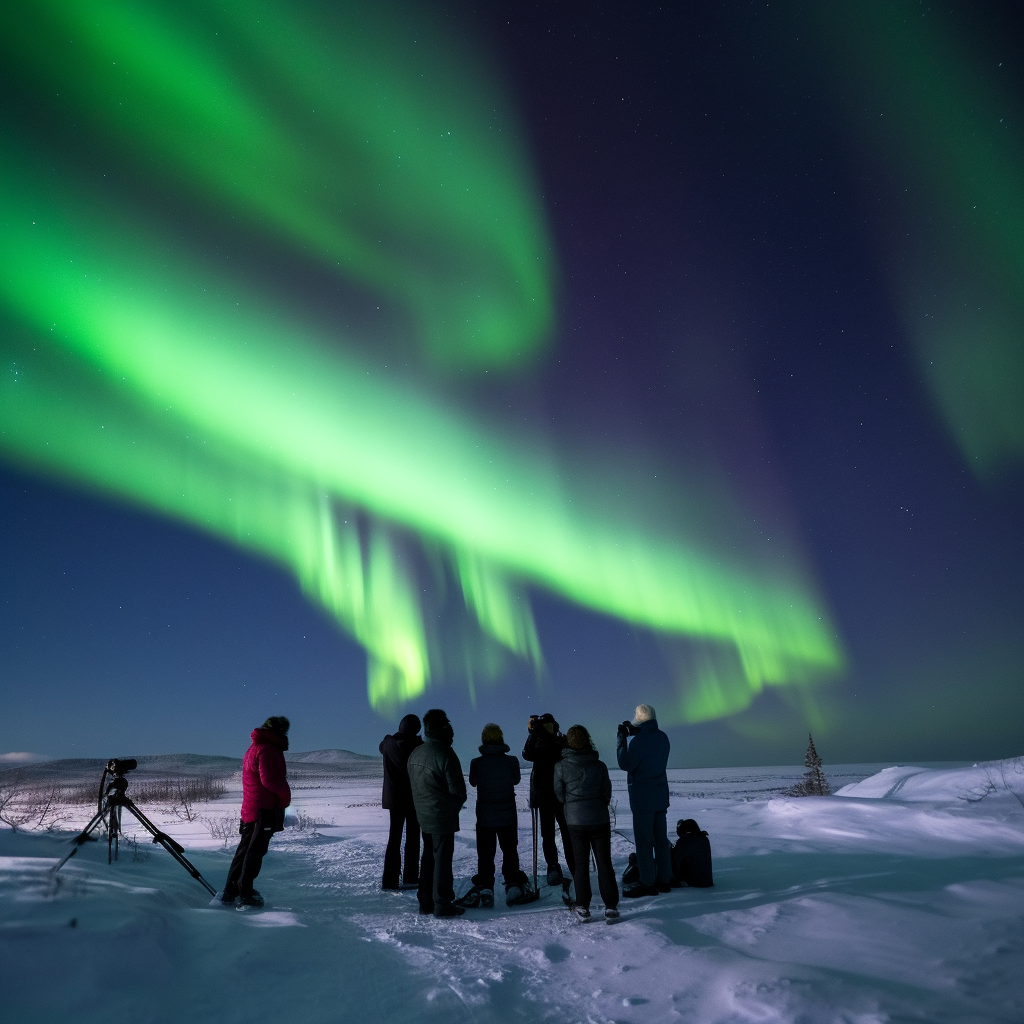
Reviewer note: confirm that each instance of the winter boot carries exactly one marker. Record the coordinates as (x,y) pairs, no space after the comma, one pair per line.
(248,900)
(583,913)
(486,897)
(220,900)
(554,874)
(473,898)
(516,895)
(611,915)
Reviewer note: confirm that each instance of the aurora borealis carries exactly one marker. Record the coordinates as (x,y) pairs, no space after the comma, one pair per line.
(311,281)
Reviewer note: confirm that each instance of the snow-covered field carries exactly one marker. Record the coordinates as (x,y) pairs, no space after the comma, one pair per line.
(900,899)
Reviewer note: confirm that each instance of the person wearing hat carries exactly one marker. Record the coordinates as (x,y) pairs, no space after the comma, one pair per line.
(265,795)
(396,798)
(642,753)
(495,775)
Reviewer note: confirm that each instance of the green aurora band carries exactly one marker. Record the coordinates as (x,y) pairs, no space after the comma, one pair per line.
(948,138)
(137,365)
(330,127)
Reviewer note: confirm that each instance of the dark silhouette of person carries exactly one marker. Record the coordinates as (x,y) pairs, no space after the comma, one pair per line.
(495,774)
(396,798)
(691,855)
(438,793)
(544,746)
(584,789)
(642,753)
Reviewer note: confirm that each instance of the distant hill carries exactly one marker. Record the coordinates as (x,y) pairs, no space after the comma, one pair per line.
(311,766)
(329,757)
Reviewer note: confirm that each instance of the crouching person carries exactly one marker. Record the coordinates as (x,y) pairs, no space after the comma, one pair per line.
(265,795)
(438,794)
(495,774)
(691,855)
(584,789)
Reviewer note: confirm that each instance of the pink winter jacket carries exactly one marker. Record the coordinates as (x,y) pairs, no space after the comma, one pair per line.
(264,784)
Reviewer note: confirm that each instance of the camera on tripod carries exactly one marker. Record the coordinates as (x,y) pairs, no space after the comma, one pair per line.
(113,799)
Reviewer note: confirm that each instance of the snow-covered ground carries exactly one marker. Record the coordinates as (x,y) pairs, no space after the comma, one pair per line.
(900,899)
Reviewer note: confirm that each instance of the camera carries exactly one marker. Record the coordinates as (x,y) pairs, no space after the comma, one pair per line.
(120,765)
(628,728)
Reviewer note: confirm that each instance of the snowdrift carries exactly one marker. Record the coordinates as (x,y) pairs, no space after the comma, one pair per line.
(902,899)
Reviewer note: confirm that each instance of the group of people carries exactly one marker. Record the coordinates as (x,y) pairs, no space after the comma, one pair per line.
(425,789)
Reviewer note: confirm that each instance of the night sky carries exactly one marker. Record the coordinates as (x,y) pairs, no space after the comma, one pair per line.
(769,253)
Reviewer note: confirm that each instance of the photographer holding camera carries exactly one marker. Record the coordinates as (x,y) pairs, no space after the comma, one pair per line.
(544,748)
(642,752)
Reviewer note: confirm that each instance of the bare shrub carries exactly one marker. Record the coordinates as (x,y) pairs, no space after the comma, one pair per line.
(153,791)
(200,790)
(31,808)
(224,827)
(307,823)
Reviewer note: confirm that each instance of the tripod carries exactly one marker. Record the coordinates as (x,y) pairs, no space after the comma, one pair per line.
(113,798)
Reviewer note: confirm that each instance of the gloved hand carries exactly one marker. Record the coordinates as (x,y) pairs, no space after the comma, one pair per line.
(623,730)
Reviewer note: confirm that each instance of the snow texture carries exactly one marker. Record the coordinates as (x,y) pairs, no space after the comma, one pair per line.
(899,899)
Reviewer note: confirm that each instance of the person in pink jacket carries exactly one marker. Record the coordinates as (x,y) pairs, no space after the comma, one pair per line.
(265,795)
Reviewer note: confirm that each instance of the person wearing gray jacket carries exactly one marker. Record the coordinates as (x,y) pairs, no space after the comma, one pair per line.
(438,794)
(584,790)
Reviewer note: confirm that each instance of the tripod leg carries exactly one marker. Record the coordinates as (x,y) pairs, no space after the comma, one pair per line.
(533,822)
(82,837)
(176,850)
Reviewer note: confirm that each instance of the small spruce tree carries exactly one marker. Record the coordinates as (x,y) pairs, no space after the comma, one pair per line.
(814,782)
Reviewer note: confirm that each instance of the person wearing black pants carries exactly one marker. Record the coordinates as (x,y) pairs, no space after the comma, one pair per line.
(252,848)
(436,892)
(438,793)
(583,788)
(599,839)
(396,798)
(265,795)
(495,774)
(543,748)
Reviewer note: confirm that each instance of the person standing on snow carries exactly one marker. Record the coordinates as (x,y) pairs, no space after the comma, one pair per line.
(495,774)
(397,798)
(543,748)
(438,794)
(584,789)
(644,758)
(265,795)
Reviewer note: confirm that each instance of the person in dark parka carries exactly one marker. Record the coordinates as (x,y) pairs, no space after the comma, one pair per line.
(495,774)
(584,789)
(691,855)
(397,798)
(543,748)
(644,758)
(438,794)
(265,795)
